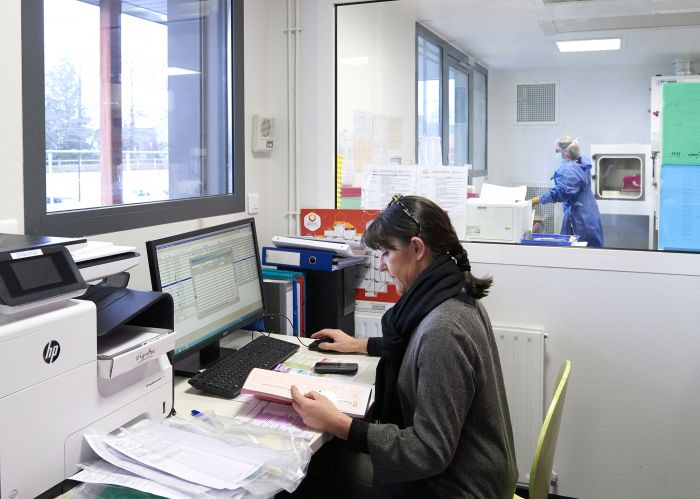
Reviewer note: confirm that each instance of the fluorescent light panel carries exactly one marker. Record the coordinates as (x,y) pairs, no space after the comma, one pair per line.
(589,45)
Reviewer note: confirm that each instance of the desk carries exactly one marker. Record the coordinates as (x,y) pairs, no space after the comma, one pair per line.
(187,397)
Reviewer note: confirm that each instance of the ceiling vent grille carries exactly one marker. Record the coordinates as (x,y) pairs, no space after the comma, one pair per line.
(536,103)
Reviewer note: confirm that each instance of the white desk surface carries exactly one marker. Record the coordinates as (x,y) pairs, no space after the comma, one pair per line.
(187,397)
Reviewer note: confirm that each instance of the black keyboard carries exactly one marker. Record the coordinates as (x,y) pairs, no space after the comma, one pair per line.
(227,376)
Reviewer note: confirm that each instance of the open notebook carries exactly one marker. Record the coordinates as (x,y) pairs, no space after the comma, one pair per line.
(351,398)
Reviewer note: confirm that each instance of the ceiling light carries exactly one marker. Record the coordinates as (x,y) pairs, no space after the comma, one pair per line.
(589,45)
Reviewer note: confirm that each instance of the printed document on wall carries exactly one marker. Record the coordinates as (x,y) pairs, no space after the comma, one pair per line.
(383,181)
(447,186)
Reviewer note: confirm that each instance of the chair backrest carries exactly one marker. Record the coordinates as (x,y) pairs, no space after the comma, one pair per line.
(541,471)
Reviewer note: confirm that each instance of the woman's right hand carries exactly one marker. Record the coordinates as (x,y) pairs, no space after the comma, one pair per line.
(342,342)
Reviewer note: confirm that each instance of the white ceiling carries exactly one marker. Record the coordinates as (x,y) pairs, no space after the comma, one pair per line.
(520,34)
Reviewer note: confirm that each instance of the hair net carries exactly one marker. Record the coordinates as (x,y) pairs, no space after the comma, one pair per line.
(569,146)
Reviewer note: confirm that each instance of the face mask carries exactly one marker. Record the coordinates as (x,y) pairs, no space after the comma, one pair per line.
(559,157)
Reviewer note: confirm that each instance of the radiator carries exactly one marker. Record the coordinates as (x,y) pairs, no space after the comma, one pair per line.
(521,349)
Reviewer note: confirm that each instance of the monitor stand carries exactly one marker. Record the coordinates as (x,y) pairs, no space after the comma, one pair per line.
(207,356)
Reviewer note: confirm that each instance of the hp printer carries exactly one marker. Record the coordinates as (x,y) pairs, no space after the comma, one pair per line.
(67,365)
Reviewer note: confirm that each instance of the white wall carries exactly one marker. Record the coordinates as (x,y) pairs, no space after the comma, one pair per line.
(265,92)
(628,321)
(609,106)
(11,195)
(317,109)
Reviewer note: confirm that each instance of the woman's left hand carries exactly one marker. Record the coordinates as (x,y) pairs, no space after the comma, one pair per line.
(320,414)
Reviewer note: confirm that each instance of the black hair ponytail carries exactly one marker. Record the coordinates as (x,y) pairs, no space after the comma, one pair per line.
(476,287)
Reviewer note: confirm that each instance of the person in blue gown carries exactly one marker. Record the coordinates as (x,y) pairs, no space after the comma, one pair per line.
(572,188)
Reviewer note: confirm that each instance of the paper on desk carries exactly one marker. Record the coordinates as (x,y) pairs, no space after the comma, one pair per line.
(117,459)
(178,455)
(500,194)
(106,473)
(266,414)
(350,398)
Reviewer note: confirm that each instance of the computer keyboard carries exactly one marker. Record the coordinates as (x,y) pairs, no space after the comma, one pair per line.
(227,376)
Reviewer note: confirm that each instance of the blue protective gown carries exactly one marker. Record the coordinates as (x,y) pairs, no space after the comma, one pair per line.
(572,188)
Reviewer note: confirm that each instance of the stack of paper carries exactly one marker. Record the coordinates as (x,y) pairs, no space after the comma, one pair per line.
(500,194)
(351,398)
(181,459)
(347,248)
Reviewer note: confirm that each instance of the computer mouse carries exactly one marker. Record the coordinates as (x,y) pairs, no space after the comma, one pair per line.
(314,345)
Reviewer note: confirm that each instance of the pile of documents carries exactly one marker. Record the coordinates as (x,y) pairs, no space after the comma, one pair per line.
(351,398)
(202,457)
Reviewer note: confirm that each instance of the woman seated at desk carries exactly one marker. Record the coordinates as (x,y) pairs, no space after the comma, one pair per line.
(441,426)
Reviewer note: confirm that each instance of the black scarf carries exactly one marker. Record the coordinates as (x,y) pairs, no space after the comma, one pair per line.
(439,282)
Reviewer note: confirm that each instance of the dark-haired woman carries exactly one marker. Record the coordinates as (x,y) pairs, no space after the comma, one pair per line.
(440,423)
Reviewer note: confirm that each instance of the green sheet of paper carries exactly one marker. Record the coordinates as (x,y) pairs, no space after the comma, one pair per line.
(681,124)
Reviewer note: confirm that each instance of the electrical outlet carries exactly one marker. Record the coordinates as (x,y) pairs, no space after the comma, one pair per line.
(253,203)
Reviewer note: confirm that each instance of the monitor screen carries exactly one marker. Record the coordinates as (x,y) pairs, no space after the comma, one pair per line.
(215,280)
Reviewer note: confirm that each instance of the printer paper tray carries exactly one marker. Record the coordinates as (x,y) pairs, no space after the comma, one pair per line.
(128,347)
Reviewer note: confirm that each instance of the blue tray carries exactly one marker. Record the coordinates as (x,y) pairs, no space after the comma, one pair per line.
(550,239)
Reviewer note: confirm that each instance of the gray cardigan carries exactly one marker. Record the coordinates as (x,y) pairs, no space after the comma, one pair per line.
(458,440)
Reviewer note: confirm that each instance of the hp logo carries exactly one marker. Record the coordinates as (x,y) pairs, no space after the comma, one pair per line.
(51,351)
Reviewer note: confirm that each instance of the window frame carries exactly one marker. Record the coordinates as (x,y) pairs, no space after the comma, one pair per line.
(128,216)
(449,55)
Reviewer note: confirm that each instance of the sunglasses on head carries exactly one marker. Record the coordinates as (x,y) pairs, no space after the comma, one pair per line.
(396,200)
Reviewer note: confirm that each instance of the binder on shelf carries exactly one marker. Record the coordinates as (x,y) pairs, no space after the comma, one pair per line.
(279,304)
(298,280)
(325,261)
(340,248)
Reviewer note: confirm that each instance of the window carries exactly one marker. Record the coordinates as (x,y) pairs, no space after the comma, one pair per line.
(451,105)
(133,113)
(428,110)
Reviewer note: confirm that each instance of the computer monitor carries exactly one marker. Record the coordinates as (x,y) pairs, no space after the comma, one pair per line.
(215,279)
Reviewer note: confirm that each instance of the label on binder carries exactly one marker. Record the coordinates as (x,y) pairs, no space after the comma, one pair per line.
(283,258)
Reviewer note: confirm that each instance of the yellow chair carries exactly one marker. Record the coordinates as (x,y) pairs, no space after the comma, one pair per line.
(541,471)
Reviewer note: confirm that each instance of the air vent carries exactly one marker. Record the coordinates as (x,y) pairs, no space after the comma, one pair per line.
(536,103)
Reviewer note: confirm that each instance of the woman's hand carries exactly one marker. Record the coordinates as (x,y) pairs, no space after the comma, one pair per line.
(320,414)
(342,342)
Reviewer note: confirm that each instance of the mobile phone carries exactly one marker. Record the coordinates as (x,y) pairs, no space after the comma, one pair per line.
(335,367)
